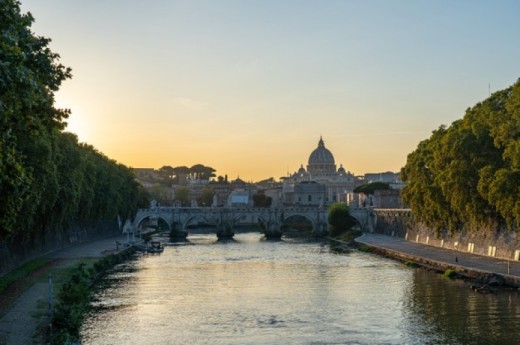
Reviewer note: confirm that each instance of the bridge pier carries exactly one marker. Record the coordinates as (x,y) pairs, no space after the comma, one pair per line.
(225,232)
(273,230)
(178,232)
(225,226)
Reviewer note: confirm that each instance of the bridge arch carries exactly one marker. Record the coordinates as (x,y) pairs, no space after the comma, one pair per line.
(151,215)
(293,215)
(186,222)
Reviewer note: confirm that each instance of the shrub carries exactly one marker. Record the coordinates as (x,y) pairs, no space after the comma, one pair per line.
(450,273)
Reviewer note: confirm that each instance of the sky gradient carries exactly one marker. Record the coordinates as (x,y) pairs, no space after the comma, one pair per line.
(247,87)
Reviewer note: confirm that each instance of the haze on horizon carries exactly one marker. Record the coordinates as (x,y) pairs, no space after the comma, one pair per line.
(248,87)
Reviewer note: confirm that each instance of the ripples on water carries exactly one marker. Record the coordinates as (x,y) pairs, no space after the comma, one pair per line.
(257,292)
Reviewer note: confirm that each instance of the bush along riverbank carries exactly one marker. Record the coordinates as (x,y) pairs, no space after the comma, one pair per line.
(343,242)
(74,296)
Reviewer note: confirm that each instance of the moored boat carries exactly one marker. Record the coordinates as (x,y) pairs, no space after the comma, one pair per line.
(155,247)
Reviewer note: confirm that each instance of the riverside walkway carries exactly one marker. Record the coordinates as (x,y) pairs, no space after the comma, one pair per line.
(440,257)
(19,324)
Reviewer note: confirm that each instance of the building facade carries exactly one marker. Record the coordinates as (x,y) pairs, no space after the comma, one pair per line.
(321,168)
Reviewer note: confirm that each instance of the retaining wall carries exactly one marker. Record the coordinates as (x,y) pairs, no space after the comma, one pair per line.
(15,253)
(484,241)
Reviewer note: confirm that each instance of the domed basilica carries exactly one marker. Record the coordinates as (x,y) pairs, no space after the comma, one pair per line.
(320,183)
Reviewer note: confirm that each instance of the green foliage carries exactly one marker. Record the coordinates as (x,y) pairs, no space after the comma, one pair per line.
(206,197)
(339,219)
(182,194)
(371,187)
(364,248)
(469,173)
(47,179)
(29,75)
(410,264)
(261,200)
(73,300)
(450,273)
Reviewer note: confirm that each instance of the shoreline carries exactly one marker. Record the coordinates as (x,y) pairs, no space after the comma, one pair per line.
(466,266)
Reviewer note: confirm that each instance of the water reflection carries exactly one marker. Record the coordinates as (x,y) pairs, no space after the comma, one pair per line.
(289,292)
(458,315)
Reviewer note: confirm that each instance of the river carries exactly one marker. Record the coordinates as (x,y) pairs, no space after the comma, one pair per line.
(252,291)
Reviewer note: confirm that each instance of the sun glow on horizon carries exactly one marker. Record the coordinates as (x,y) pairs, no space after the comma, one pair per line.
(248,87)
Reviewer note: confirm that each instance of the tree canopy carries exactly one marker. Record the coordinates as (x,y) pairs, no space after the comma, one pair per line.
(48,180)
(369,188)
(339,218)
(468,174)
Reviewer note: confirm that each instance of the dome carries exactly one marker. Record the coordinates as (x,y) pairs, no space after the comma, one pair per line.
(341,170)
(301,170)
(321,155)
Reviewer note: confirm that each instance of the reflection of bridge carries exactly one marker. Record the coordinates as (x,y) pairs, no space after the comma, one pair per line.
(224,219)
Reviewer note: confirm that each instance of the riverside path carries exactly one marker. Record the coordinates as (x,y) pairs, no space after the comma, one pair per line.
(18,325)
(444,258)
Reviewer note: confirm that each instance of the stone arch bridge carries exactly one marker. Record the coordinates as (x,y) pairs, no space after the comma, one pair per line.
(225,218)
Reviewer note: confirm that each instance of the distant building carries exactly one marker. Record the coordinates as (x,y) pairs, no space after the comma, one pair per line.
(392,179)
(238,198)
(321,169)
(309,193)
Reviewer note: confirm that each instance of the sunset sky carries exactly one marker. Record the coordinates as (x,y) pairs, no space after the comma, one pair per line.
(248,86)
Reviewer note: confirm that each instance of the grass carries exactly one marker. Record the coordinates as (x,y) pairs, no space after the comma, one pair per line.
(21,272)
(364,248)
(74,292)
(410,264)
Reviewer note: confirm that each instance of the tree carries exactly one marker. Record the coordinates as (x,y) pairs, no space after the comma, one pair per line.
(201,172)
(167,173)
(369,188)
(261,200)
(339,219)
(181,173)
(162,194)
(467,175)
(206,198)
(182,194)
(29,75)
(47,179)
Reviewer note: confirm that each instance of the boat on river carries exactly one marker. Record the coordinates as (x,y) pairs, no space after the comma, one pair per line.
(155,247)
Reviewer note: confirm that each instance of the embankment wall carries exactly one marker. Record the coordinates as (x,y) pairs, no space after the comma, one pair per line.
(17,252)
(484,241)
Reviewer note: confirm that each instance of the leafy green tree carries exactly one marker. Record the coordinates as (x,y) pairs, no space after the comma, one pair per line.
(181,173)
(29,75)
(48,180)
(206,198)
(339,219)
(168,174)
(162,194)
(201,172)
(369,188)
(467,175)
(182,194)
(261,200)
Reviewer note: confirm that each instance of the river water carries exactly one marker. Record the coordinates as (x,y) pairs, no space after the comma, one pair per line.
(252,291)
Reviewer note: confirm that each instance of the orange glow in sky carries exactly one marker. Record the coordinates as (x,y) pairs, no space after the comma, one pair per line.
(248,87)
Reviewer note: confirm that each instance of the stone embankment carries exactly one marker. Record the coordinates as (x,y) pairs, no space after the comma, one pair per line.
(483,269)
(490,242)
